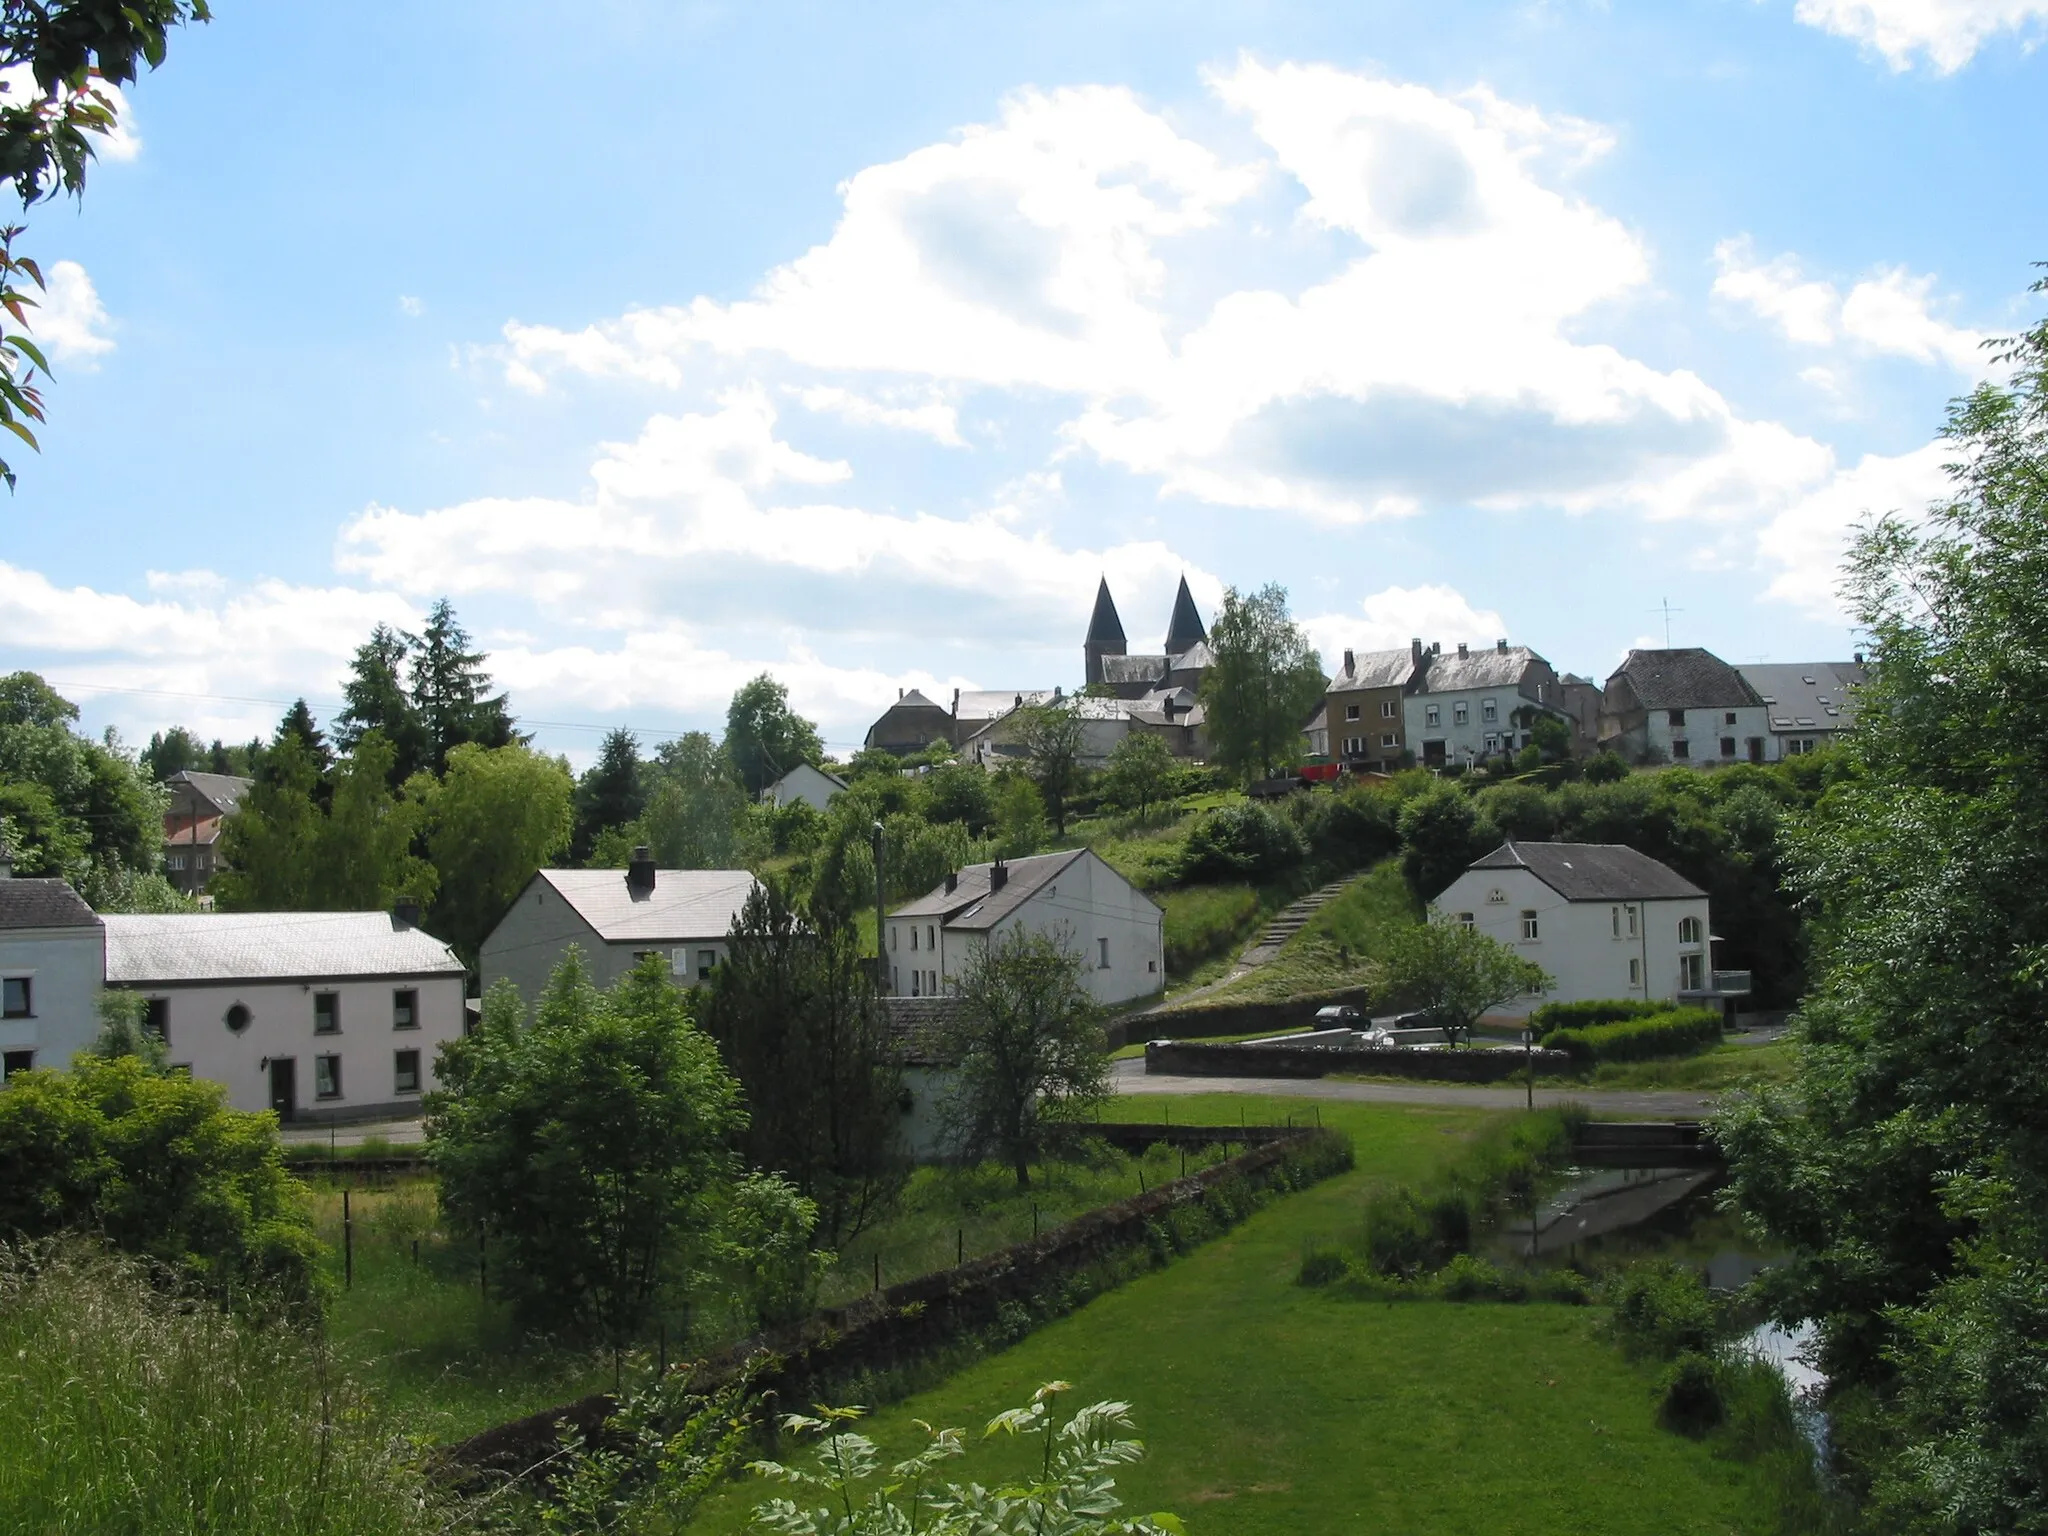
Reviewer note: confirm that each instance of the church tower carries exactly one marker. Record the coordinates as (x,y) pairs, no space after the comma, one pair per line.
(1105,633)
(1184,630)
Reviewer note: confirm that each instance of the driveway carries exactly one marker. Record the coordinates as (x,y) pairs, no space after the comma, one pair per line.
(1130,1077)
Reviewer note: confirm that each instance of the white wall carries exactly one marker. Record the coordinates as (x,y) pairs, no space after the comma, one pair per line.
(1467,740)
(1703,732)
(530,939)
(64,967)
(804,783)
(1576,941)
(281,1025)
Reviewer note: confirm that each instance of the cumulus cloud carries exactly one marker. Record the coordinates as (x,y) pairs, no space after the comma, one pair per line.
(1803,545)
(1393,616)
(1946,33)
(1886,314)
(69,320)
(933,418)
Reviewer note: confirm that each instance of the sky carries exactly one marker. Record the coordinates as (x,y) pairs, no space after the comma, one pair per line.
(675,343)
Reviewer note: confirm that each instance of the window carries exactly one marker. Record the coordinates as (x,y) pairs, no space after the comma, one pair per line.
(1152,966)
(156,1017)
(237,1017)
(405,1071)
(1489,711)
(913,935)
(1389,709)
(326,1077)
(1676,716)
(1692,973)
(931,983)
(1354,746)
(1465,919)
(1389,739)
(896,980)
(1350,711)
(405,1009)
(1727,746)
(1728,718)
(1635,973)
(15,998)
(917,983)
(326,1013)
(894,935)
(1102,954)
(931,932)
(12,1062)
(1630,914)
(707,961)
(176,861)
(1614,919)
(1529,924)
(1432,714)
(1461,713)
(1681,748)
(1492,742)
(1689,930)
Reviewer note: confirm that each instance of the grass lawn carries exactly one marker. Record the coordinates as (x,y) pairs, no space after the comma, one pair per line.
(1271,1408)
(1331,950)
(1725,1066)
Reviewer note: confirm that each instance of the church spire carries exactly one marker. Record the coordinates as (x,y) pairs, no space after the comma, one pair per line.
(1105,633)
(1184,630)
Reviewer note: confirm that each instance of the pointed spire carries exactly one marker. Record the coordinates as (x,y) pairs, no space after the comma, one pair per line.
(1105,629)
(1185,629)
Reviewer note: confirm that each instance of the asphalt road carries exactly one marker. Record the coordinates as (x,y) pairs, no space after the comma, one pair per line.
(1131,1078)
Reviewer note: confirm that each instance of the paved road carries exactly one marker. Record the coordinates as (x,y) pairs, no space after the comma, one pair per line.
(1132,1078)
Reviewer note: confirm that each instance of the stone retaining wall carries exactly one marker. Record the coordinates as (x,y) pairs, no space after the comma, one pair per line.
(1199,1022)
(1186,1058)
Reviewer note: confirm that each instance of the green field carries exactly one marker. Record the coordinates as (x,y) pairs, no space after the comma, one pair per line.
(1271,1408)
(1725,1066)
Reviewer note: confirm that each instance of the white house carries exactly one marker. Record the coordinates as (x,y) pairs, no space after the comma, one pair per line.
(52,954)
(805,782)
(1477,704)
(1684,706)
(1116,929)
(317,1015)
(1604,920)
(615,916)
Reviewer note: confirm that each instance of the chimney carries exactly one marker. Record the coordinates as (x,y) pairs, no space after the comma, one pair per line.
(952,881)
(998,876)
(1436,647)
(1350,666)
(1500,645)
(406,912)
(899,693)
(640,871)
(1415,650)
(1462,652)
(956,703)
(1859,658)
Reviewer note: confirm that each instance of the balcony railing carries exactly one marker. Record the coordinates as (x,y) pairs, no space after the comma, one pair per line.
(1720,984)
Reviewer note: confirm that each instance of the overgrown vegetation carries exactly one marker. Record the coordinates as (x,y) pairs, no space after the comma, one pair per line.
(1673,1032)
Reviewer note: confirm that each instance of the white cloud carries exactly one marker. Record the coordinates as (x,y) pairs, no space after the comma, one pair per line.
(411,306)
(69,320)
(1805,543)
(934,418)
(1886,314)
(1390,618)
(1947,33)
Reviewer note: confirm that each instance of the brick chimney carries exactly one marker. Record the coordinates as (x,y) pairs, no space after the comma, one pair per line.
(640,871)
(998,876)
(1350,665)
(406,912)
(952,881)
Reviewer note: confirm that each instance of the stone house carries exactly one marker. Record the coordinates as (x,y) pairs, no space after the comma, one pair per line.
(1684,706)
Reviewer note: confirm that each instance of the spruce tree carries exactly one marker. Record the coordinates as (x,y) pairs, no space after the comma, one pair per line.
(450,690)
(375,699)
(610,793)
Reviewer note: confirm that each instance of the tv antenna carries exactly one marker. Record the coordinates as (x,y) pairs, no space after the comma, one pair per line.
(1664,607)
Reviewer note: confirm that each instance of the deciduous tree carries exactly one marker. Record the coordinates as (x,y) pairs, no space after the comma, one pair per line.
(764,737)
(1266,681)
(1140,771)
(496,816)
(1051,736)
(1457,974)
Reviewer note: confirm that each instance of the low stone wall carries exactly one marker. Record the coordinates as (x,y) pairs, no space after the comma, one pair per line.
(918,1318)
(1186,1058)
(1196,1023)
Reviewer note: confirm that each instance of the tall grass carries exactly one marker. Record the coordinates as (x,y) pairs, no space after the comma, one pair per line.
(127,1412)
(1205,921)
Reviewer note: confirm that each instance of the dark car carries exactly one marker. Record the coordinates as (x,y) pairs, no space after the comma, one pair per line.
(1339,1016)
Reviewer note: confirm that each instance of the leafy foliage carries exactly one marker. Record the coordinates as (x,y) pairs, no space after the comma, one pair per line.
(663,1452)
(161,1168)
(1455,973)
(1244,841)
(591,1145)
(764,737)
(72,807)
(1266,681)
(1675,1032)
(1051,736)
(1140,773)
(499,814)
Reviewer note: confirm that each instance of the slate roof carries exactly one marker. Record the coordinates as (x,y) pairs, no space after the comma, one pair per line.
(1196,658)
(1134,669)
(684,904)
(36,903)
(1593,871)
(1185,629)
(1491,668)
(990,703)
(919,1025)
(269,946)
(1687,678)
(1376,669)
(224,790)
(1105,629)
(1808,696)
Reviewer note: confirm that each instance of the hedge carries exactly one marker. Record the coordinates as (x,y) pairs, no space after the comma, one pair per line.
(1587,1015)
(1671,1033)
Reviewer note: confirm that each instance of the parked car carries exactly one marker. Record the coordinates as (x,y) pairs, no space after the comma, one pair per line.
(1339,1016)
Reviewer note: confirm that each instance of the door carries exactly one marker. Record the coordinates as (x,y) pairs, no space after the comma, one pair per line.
(284,1086)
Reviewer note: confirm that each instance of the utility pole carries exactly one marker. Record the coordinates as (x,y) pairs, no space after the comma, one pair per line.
(881,950)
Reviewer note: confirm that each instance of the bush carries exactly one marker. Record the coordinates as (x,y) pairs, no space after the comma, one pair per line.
(1204,921)
(1594,1011)
(1662,1308)
(162,1169)
(1351,829)
(1674,1033)
(1245,841)
(1322,1264)
(1691,1395)
(1409,1231)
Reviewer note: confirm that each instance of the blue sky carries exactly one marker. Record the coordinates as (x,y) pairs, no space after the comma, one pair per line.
(677,343)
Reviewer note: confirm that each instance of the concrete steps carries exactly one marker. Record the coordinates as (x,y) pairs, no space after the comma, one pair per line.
(1287,923)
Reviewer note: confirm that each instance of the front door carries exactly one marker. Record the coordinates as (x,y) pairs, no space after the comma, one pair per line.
(284,1086)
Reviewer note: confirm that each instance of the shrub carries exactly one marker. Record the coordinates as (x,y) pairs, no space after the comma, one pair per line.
(1352,829)
(1204,921)
(1593,1011)
(1322,1264)
(1409,1231)
(1245,841)
(1662,1308)
(1690,1391)
(1674,1033)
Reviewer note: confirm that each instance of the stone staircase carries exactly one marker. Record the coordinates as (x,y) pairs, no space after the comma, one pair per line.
(1287,923)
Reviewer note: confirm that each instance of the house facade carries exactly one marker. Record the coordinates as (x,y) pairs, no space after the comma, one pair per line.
(316,1015)
(1604,920)
(1684,706)
(52,956)
(200,803)
(1175,719)
(805,782)
(1363,721)
(1116,929)
(615,917)
(1478,704)
(1807,704)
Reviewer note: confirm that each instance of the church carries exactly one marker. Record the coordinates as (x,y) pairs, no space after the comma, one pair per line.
(1121,693)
